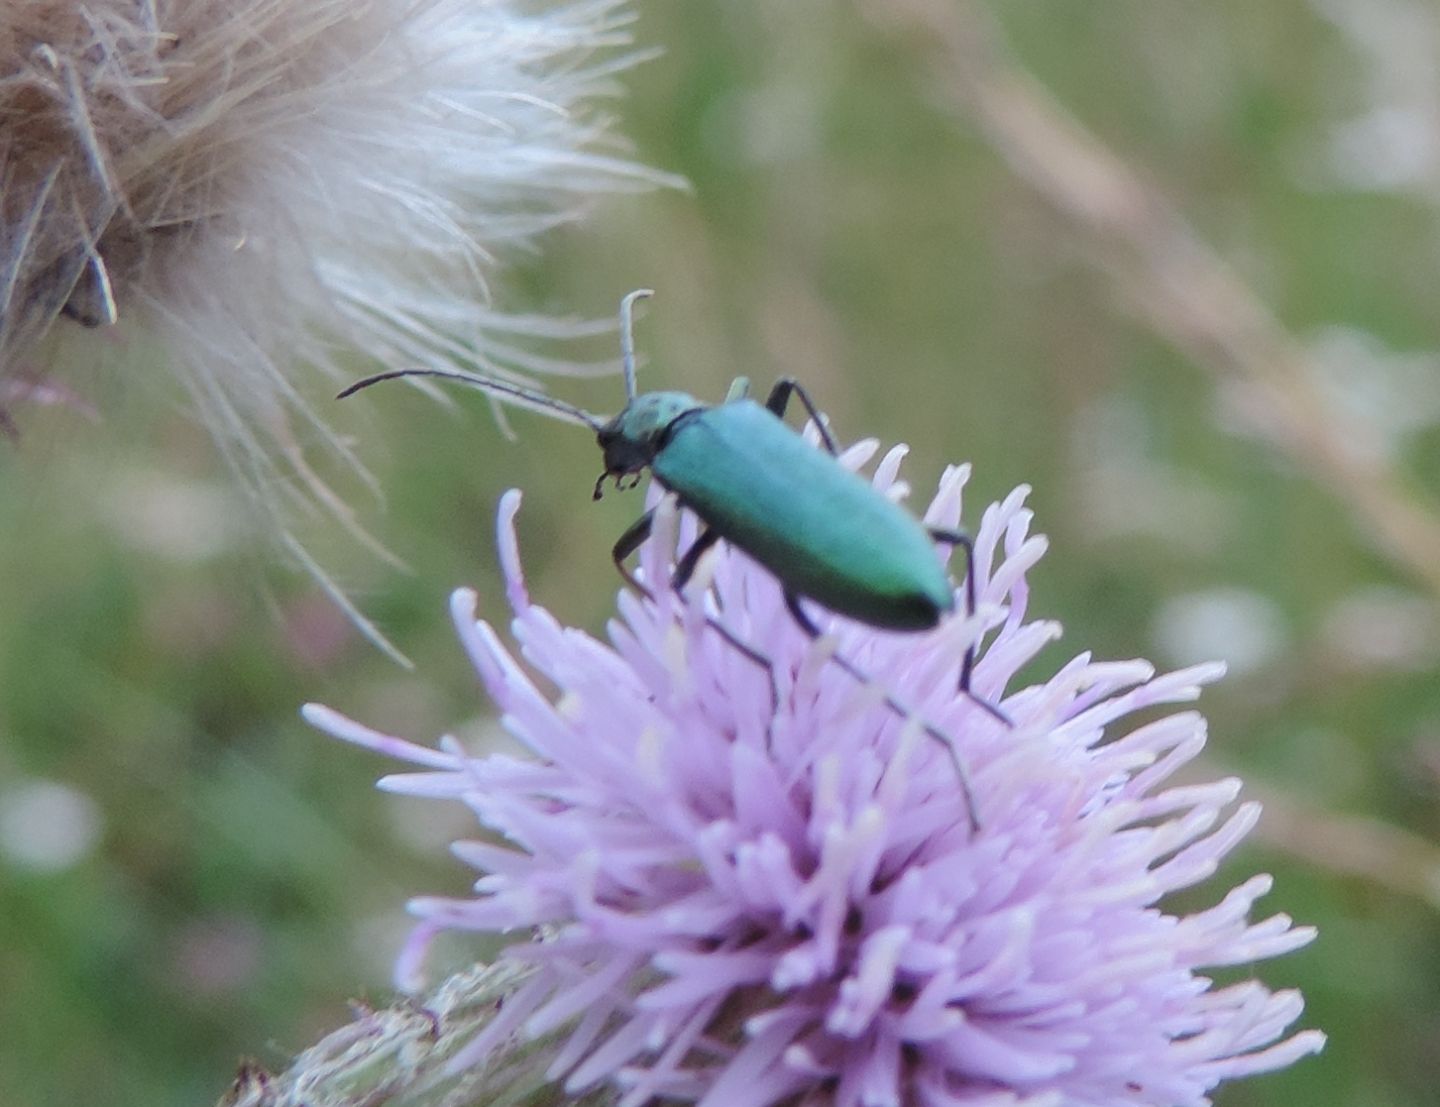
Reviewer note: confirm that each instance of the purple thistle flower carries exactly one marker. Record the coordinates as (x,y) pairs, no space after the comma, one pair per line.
(739,892)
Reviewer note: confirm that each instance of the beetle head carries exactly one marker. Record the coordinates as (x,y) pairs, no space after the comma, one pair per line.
(631,440)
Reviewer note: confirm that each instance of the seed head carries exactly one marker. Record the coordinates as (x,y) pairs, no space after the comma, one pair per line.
(245,190)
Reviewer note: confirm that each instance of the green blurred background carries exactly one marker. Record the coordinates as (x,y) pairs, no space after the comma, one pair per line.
(220,879)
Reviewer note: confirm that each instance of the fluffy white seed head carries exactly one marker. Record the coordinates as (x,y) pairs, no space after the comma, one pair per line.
(258,187)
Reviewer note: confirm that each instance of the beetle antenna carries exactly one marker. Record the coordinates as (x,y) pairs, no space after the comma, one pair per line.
(627,337)
(509,393)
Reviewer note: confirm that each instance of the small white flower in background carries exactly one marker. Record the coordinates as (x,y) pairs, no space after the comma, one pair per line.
(1245,628)
(249,188)
(46,826)
(1392,142)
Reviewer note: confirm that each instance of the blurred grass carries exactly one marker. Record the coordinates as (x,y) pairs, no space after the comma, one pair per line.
(246,881)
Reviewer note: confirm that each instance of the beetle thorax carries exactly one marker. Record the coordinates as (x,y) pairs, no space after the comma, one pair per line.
(631,440)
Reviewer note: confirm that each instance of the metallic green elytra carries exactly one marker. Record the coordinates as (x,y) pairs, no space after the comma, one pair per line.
(824,532)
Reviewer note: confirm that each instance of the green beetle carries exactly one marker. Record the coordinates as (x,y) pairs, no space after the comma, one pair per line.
(824,532)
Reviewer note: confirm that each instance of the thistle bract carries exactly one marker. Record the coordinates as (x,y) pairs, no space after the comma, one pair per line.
(739,885)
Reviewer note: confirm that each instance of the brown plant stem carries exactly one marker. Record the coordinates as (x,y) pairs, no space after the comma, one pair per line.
(1350,845)
(1177,285)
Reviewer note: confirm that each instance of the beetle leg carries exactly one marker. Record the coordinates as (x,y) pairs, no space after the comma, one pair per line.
(967,666)
(961,539)
(633,538)
(685,568)
(779,399)
(860,676)
(752,654)
(792,605)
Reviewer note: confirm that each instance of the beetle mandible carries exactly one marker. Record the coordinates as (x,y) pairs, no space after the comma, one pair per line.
(825,533)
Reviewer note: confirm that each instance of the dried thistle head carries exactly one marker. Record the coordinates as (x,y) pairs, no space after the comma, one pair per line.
(258,187)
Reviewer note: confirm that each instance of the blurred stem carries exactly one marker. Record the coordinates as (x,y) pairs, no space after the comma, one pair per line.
(1178,285)
(1351,846)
